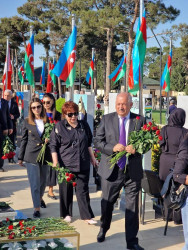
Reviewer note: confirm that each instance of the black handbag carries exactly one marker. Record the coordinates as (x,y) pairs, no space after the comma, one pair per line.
(174,194)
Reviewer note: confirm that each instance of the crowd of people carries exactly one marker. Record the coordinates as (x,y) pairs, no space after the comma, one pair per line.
(70,146)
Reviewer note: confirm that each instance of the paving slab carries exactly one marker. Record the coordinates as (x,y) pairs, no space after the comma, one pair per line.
(14,188)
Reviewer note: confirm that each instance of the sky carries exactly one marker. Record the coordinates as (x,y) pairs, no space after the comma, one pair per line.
(9,8)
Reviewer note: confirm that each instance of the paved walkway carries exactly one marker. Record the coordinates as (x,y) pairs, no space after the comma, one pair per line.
(14,187)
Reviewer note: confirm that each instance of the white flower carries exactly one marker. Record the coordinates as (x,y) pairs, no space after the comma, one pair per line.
(68,245)
(13,246)
(52,245)
(33,245)
(63,240)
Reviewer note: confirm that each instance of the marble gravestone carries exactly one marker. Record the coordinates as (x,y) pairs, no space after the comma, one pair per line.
(181,103)
(27,98)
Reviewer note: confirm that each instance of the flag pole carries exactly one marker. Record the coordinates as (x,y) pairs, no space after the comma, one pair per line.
(125,71)
(93,52)
(7,61)
(169,88)
(31,33)
(71,89)
(141,78)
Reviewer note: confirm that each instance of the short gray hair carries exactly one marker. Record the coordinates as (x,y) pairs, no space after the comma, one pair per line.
(8,91)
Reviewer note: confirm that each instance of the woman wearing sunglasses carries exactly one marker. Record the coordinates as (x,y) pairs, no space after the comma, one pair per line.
(54,115)
(70,145)
(31,144)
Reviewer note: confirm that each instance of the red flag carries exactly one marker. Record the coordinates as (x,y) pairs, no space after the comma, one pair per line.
(49,80)
(7,71)
(131,81)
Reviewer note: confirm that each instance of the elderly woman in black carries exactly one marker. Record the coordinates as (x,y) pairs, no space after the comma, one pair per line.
(70,144)
(31,144)
(172,134)
(54,116)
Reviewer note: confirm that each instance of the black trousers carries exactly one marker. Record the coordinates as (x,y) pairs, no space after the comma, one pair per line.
(82,195)
(1,148)
(110,192)
(52,177)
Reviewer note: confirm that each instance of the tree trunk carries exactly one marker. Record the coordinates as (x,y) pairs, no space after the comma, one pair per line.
(130,34)
(110,36)
(104,75)
(59,87)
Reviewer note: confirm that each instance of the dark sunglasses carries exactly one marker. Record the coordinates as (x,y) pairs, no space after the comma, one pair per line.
(36,107)
(71,114)
(47,102)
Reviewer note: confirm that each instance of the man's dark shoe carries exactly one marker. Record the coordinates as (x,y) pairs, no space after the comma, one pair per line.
(36,214)
(101,235)
(2,170)
(43,204)
(136,247)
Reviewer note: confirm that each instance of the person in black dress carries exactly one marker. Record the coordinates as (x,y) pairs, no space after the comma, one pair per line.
(54,116)
(70,144)
(173,133)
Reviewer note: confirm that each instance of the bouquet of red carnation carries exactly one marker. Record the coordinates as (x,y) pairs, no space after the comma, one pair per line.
(142,141)
(97,154)
(64,174)
(8,149)
(48,127)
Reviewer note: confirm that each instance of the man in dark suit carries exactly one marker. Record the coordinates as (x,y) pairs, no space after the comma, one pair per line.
(14,114)
(114,128)
(7,126)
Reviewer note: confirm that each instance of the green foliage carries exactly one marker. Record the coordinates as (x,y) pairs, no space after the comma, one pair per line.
(155,157)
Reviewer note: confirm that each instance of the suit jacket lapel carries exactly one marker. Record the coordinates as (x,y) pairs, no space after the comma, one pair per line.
(115,122)
(132,123)
(35,132)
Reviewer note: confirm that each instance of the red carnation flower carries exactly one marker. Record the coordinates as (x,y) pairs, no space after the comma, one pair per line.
(74,184)
(160,138)
(98,106)
(158,132)
(10,227)
(7,219)
(148,128)
(11,236)
(68,179)
(145,126)
(20,223)
(150,123)
(66,174)
(71,176)
(25,232)
(138,118)
(33,227)
(4,157)
(154,128)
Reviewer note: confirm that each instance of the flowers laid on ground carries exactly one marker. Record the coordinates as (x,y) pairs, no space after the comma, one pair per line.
(48,127)
(142,141)
(97,154)
(64,174)
(8,149)
(56,244)
(32,228)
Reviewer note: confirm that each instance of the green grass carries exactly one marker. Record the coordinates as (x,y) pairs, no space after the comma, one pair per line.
(156,116)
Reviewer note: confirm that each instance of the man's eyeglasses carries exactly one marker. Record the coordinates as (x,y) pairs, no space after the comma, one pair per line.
(71,114)
(36,107)
(47,102)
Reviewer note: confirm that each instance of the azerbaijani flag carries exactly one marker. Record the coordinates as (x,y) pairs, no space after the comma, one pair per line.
(42,77)
(134,73)
(119,72)
(142,40)
(29,61)
(165,79)
(21,74)
(65,68)
(51,74)
(90,72)
(49,80)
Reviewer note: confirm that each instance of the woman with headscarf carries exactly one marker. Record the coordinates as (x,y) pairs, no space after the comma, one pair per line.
(173,133)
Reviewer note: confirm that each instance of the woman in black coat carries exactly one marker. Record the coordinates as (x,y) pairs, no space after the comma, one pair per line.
(31,144)
(54,116)
(180,175)
(172,134)
(70,144)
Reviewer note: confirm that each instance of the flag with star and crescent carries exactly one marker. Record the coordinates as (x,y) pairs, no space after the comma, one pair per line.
(65,68)
(29,61)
